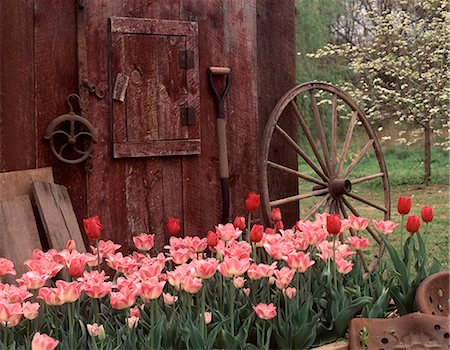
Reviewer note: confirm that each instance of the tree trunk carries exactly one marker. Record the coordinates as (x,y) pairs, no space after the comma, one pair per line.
(427,158)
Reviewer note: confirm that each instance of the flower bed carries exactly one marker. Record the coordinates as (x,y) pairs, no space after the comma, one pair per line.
(243,286)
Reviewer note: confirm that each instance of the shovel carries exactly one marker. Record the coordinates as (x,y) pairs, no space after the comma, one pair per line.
(222,72)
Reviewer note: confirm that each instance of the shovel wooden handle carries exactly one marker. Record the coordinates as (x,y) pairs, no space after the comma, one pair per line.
(219,70)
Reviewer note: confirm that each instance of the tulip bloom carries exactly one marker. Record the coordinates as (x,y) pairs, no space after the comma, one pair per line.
(30,310)
(122,299)
(212,239)
(173,226)
(231,267)
(239,222)
(95,330)
(252,202)
(358,243)
(427,214)
(6,267)
(276,214)
(256,233)
(358,223)
(404,205)
(206,268)
(412,224)
(299,261)
(284,277)
(144,242)
(43,342)
(208,317)
(334,224)
(151,289)
(384,226)
(93,227)
(264,311)
(343,266)
(169,299)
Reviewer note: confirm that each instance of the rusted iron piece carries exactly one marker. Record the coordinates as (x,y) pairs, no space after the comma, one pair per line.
(92,89)
(413,331)
(432,295)
(71,136)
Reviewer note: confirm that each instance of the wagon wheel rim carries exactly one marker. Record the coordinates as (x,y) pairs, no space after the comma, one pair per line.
(331,178)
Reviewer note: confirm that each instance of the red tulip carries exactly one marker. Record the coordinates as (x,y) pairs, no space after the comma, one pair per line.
(427,214)
(256,233)
(239,222)
(412,224)
(333,224)
(173,226)
(404,205)
(212,239)
(276,214)
(279,226)
(93,227)
(252,202)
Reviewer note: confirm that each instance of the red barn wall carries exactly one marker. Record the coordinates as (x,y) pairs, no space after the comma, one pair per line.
(39,69)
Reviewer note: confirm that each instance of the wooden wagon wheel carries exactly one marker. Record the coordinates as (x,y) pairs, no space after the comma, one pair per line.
(327,182)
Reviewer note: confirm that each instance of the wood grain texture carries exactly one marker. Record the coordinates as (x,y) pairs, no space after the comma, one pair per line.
(55,65)
(57,215)
(240,27)
(18,183)
(276,75)
(17,126)
(157,148)
(201,180)
(19,233)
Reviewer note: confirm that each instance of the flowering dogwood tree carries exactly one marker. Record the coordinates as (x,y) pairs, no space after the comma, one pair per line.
(401,67)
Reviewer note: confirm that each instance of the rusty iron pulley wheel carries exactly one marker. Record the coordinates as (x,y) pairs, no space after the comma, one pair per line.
(71,136)
(333,140)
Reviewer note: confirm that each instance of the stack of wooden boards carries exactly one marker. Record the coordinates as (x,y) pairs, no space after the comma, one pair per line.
(30,199)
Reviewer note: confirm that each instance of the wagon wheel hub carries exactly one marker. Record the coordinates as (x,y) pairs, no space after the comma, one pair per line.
(338,187)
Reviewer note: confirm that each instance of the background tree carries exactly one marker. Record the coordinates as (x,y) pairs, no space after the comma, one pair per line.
(398,51)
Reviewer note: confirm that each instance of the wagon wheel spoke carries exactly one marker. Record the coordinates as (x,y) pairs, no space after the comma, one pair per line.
(319,125)
(298,197)
(316,207)
(334,118)
(358,158)
(302,153)
(347,140)
(61,149)
(296,173)
(355,212)
(327,207)
(366,178)
(353,233)
(309,137)
(366,201)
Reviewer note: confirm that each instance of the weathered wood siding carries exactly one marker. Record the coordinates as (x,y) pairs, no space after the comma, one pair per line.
(38,65)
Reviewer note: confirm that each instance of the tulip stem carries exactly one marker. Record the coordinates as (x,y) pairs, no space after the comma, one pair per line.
(248,227)
(98,256)
(401,233)
(5,337)
(232,307)
(71,314)
(334,262)
(263,335)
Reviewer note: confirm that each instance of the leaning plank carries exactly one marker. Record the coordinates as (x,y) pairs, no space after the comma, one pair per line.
(18,233)
(58,217)
(17,183)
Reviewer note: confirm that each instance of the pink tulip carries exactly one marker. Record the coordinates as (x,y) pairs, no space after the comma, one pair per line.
(231,267)
(51,296)
(106,248)
(10,312)
(239,222)
(228,232)
(132,322)
(95,330)
(43,342)
(299,261)
(6,267)
(358,243)
(384,226)
(169,299)
(14,294)
(239,282)
(276,214)
(256,272)
(32,280)
(246,291)
(358,223)
(284,277)
(206,268)
(208,317)
(97,290)
(144,242)
(71,246)
(343,266)
(192,284)
(151,289)
(290,292)
(122,299)
(76,266)
(30,310)
(264,311)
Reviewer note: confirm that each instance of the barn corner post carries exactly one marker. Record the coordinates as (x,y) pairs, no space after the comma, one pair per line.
(276,55)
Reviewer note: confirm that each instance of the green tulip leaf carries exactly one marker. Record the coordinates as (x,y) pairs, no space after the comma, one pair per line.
(343,318)
(399,266)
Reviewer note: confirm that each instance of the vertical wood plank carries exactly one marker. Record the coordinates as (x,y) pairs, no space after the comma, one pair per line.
(276,75)
(241,106)
(55,64)
(17,122)
(58,217)
(201,181)
(19,230)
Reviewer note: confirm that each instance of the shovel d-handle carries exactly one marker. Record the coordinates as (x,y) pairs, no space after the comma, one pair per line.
(222,135)
(219,71)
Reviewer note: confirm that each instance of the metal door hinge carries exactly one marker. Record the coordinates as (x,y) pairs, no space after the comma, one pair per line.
(186,59)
